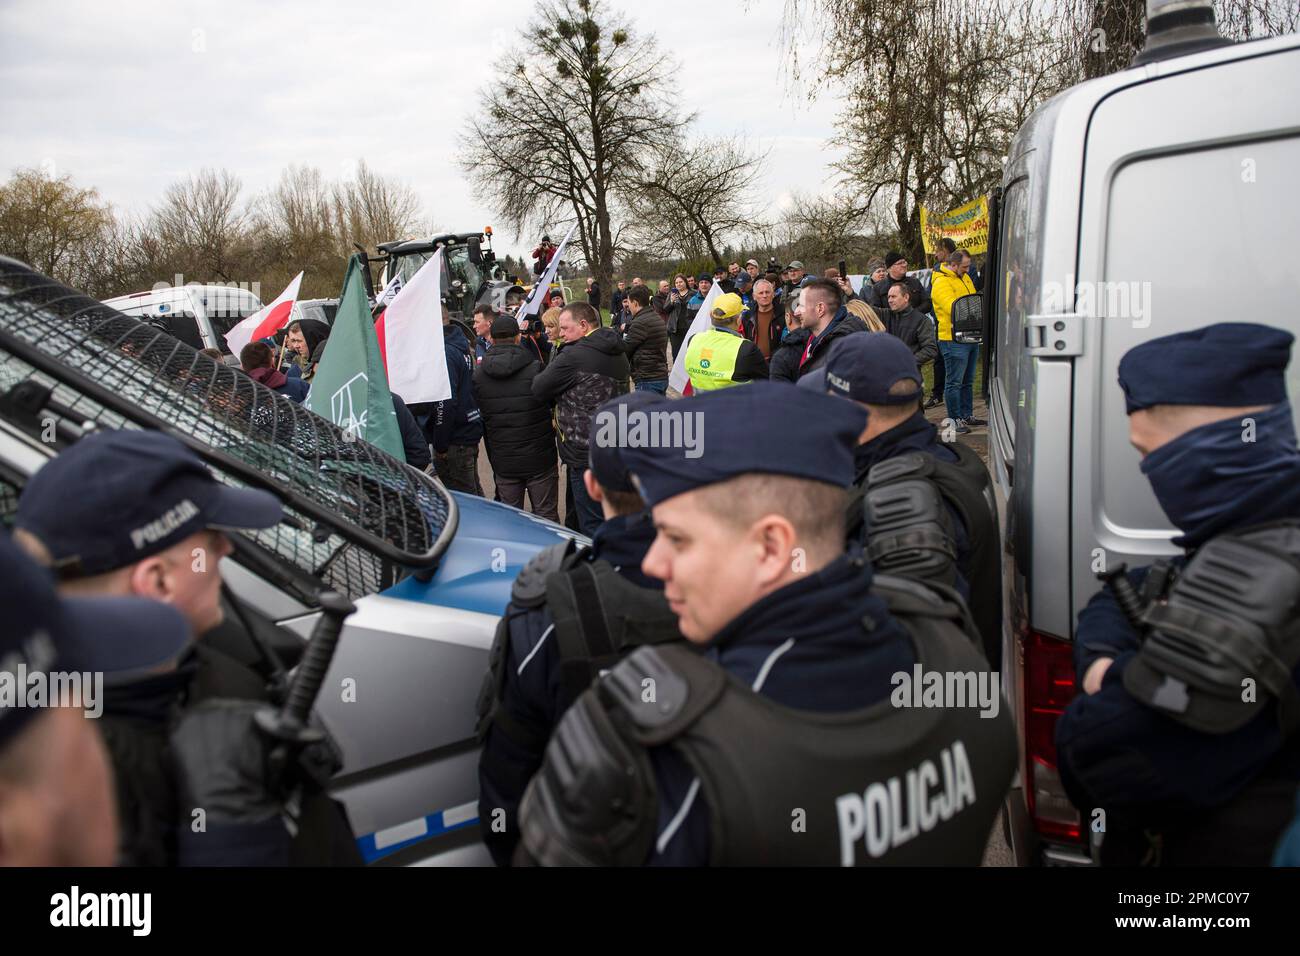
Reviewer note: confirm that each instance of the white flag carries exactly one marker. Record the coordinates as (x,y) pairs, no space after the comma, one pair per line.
(410,336)
(394,286)
(702,323)
(534,300)
(270,320)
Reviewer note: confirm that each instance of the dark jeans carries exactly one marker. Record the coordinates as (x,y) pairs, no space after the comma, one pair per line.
(543,493)
(676,339)
(937,388)
(658,385)
(959,360)
(590,515)
(458,469)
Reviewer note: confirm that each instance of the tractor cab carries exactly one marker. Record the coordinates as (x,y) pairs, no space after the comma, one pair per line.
(470,273)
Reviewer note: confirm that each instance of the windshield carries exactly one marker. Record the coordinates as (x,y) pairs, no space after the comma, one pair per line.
(457,267)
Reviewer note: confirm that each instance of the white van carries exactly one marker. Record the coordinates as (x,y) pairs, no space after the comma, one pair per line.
(198,315)
(1151,201)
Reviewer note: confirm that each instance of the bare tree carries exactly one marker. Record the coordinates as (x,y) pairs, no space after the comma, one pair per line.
(936,89)
(822,230)
(564,135)
(370,209)
(52,224)
(692,197)
(296,231)
(202,220)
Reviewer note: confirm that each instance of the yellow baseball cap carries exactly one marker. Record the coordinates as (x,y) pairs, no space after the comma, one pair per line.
(727,306)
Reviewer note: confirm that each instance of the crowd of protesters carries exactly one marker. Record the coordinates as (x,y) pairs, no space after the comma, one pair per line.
(525,390)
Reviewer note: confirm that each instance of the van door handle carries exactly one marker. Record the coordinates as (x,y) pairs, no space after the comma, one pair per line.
(1054,336)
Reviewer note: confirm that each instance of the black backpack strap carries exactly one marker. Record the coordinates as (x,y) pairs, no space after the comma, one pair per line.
(599,616)
(582,635)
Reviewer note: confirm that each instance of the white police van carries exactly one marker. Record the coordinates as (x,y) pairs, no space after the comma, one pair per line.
(198,315)
(1151,201)
(429,571)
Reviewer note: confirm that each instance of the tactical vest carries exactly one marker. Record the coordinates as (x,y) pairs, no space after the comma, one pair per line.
(1231,613)
(909,532)
(711,359)
(599,615)
(884,785)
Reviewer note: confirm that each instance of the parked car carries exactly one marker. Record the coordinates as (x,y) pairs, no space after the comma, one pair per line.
(198,315)
(1124,215)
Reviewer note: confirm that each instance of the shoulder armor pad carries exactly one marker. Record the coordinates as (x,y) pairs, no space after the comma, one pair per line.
(912,465)
(593,802)
(663,689)
(909,531)
(529,589)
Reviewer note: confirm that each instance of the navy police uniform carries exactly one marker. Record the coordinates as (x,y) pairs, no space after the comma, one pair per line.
(923,508)
(573,612)
(180,736)
(787,711)
(1190,768)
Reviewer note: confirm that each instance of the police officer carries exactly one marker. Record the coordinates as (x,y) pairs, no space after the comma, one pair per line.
(573,611)
(721,357)
(776,746)
(924,506)
(1182,744)
(56,790)
(137,513)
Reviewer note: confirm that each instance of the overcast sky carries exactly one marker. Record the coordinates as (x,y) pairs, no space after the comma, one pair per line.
(129,96)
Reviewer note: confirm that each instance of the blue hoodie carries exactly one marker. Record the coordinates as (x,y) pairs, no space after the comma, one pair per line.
(456,420)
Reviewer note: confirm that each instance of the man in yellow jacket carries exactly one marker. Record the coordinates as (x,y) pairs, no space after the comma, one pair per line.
(722,357)
(948,284)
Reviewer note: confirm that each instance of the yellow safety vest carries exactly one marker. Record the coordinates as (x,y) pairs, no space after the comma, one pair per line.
(711,359)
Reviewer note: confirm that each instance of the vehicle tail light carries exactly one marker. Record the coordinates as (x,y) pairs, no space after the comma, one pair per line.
(1049,687)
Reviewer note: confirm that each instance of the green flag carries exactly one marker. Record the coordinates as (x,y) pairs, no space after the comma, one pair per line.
(351,386)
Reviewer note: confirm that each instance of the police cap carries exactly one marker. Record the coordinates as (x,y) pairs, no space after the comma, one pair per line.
(117,497)
(1230,364)
(865,367)
(758,428)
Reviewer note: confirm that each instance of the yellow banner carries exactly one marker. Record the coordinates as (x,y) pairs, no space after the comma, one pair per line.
(967,226)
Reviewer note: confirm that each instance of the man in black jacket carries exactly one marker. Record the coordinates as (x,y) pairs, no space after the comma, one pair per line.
(517,427)
(455,427)
(827,319)
(587,372)
(646,343)
(909,325)
(897,272)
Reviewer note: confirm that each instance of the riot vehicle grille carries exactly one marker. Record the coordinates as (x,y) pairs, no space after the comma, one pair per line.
(356,518)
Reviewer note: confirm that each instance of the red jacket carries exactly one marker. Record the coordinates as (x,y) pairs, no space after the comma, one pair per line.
(544,259)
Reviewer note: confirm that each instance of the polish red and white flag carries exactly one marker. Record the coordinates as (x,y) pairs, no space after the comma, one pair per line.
(267,322)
